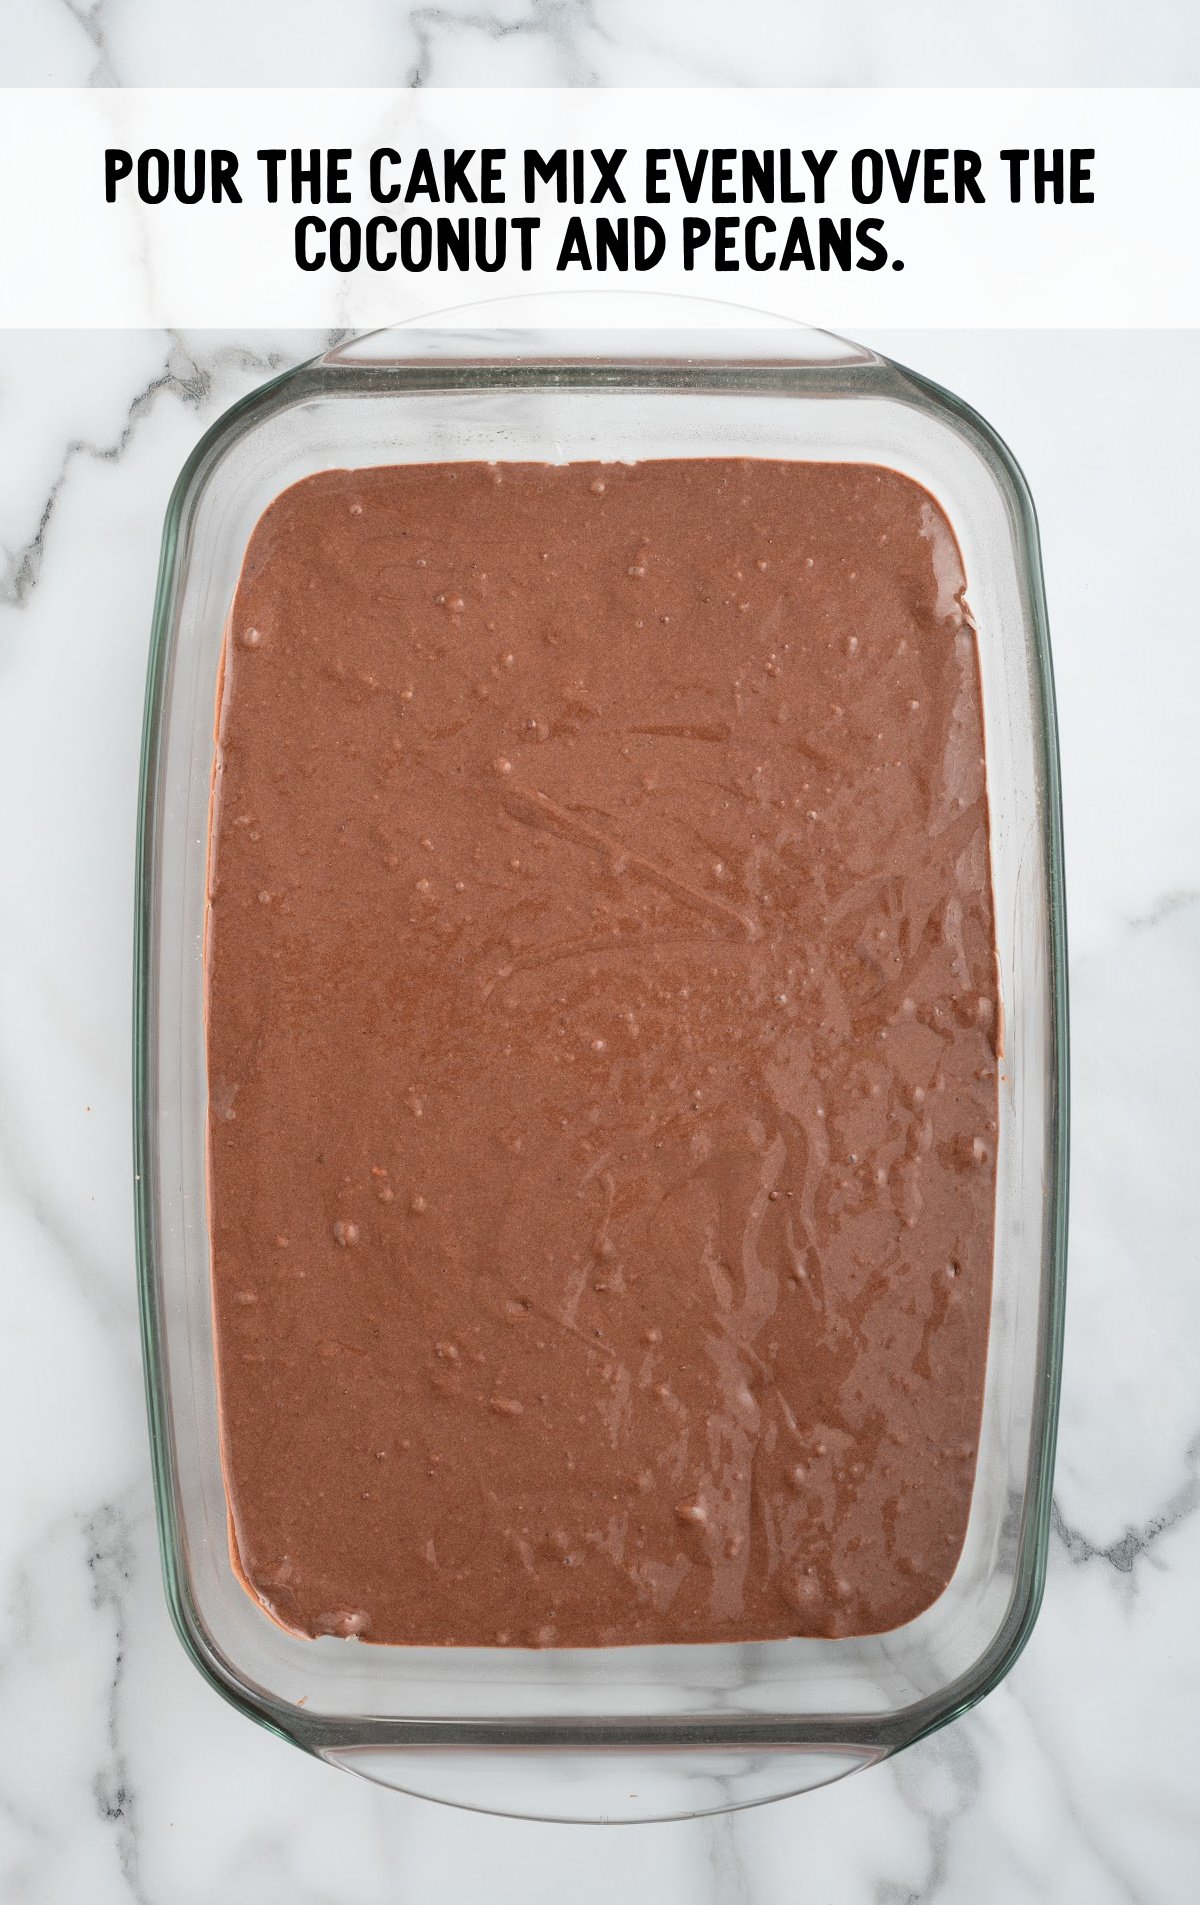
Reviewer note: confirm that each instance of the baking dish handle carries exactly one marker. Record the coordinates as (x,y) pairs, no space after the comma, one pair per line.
(619,325)
(603,1785)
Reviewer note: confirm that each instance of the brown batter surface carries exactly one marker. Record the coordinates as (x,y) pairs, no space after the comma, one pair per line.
(602,1030)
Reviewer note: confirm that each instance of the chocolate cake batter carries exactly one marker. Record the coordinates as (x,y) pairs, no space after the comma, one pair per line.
(602,1030)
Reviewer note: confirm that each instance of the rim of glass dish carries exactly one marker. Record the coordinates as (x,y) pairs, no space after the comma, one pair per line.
(561,368)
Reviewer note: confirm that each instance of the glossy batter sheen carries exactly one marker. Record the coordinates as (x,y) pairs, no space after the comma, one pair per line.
(602,1031)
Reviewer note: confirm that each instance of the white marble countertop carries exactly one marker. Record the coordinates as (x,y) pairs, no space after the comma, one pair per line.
(597,43)
(122,1776)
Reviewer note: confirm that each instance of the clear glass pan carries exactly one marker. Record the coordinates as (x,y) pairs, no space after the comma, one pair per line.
(634,1732)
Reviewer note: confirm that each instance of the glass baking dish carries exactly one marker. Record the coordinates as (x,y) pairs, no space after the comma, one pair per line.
(649,1732)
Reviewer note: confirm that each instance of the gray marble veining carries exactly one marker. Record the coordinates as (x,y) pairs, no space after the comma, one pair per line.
(597,43)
